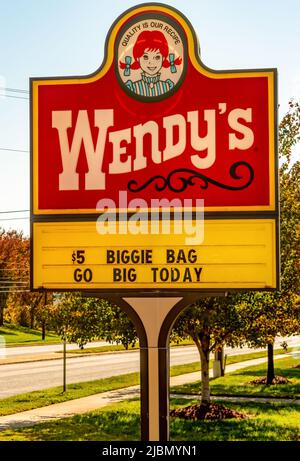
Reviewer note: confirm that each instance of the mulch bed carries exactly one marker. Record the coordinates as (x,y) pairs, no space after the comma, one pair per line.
(276,380)
(214,411)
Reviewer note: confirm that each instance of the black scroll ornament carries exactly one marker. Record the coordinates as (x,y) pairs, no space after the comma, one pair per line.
(177,183)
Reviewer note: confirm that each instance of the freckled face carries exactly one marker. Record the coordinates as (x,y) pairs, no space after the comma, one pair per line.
(151,62)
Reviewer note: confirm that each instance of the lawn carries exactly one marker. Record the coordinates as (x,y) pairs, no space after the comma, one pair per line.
(272,421)
(266,422)
(14,335)
(237,383)
(37,399)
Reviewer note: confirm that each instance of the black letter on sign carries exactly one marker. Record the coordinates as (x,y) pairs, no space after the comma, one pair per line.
(110,256)
(170,256)
(85,275)
(117,277)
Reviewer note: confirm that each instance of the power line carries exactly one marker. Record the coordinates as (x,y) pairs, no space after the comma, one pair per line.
(13,90)
(12,269)
(14,282)
(14,219)
(11,96)
(13,211)
(10,278)
(13,289)
(14,150)
(5,279)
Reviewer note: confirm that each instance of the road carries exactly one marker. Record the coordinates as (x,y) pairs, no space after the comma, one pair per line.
(18,351)
(26,377)
(44,349)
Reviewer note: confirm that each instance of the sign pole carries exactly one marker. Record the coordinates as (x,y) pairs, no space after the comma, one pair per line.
(152,312)
(157,316)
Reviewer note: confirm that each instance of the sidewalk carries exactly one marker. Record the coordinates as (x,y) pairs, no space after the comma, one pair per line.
(56,356)
(96,401)
(36,358)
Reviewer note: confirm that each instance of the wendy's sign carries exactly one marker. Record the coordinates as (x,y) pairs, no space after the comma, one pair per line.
(151,129)
(155,122)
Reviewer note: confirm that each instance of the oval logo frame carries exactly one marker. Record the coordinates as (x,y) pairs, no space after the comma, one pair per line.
(151,57)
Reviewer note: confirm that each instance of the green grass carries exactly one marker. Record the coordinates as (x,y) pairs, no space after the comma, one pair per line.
(14,335)
(37,399)
(258,355)
(266,422)
(237,383)
(117,347)
(270,421)
(100,349)
(116,422)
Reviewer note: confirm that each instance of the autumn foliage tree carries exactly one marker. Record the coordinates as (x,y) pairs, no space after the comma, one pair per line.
(21,306)
(256,317)
(278,313)
(81,320)
(12,276)
(210,323)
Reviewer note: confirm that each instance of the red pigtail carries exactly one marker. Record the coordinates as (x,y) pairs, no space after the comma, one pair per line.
(135,65)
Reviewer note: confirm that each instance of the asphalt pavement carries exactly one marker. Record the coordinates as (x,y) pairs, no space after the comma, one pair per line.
(21,351)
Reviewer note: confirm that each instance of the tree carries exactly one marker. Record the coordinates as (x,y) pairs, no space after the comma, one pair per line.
(43,311)
(256,317)
(80,320)
(210,323)
(11,275)
(24,307)
(278,313)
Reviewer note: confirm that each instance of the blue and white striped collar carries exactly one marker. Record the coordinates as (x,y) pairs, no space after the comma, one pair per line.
(149,80)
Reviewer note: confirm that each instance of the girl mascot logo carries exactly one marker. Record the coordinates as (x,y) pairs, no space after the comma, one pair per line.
(150,63)
(151,53)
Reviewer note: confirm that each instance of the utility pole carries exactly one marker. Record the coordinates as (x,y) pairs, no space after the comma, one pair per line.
(64,364)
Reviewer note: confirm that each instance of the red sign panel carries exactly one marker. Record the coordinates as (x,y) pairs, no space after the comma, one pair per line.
(154,122)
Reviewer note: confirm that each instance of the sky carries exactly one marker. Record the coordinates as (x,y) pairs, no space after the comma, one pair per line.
(66,37)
